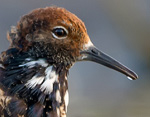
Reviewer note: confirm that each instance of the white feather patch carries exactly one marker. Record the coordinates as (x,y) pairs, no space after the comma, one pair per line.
(66,98)
(31,64)
(58,112)
(50,78)
(87,45)
(58,97)
(1,66)
(35,81)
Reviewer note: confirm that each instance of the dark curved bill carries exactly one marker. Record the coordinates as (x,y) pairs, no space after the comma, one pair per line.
(93,54)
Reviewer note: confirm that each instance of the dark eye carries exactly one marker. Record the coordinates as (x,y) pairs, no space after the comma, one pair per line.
(59,32)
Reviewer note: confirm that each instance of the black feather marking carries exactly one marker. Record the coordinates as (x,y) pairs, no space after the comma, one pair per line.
(35,110)
(17,107)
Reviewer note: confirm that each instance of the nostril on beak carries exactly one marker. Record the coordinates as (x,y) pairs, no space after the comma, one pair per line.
(94,51)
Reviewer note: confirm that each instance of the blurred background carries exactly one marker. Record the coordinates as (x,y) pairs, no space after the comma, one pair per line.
(120,28)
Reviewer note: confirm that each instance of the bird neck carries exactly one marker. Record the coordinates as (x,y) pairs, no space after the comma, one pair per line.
(38,87)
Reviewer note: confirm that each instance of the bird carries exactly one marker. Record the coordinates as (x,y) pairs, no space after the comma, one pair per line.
(44,45)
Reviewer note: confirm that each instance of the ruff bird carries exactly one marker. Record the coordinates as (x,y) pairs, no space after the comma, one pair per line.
(34,69)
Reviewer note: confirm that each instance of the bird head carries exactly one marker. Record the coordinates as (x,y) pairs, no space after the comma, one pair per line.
(63,36)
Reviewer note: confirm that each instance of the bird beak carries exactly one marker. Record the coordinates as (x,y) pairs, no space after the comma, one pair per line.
(93,54)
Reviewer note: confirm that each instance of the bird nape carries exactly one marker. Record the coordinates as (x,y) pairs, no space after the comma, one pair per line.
(33,71)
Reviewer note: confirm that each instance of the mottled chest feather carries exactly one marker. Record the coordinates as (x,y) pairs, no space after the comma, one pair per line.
(38,83)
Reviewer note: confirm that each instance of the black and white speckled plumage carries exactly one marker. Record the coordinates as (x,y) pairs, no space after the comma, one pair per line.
(15,78)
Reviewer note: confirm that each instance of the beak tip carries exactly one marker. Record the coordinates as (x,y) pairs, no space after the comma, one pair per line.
(134,77)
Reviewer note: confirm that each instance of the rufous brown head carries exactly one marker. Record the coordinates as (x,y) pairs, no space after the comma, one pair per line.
(64,36)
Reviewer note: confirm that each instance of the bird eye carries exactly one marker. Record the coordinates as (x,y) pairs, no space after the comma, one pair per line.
(59,32)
